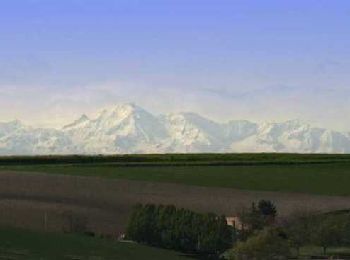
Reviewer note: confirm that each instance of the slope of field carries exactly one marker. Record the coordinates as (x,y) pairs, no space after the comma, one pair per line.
(322,178)
(42,193)
(48,201)
(28,245)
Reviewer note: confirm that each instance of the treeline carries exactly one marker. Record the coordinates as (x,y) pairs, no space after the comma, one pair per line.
(180,229)
(180,159)
(264,239)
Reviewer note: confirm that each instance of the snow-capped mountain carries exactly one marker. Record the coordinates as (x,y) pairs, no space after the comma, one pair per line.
(123,129)
(189,132)
(127,128)
(16,138)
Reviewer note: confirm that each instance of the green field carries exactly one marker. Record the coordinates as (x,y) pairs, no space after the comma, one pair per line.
(323,178)
(180,159)
(29,245)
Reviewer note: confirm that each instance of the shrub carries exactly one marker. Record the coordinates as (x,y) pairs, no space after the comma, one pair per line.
(267,244)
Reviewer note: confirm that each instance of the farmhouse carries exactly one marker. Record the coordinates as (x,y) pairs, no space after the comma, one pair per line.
(235,222)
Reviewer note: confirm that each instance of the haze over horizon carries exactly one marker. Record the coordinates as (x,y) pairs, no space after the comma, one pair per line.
(255,60)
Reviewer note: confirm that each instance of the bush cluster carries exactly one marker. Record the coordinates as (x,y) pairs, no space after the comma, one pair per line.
(267,244)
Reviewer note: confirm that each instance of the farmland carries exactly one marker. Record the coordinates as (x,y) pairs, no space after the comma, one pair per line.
(102,190)
(323,178)
(30,245)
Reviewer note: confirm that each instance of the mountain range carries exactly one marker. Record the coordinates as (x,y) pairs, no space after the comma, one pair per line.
(128,128)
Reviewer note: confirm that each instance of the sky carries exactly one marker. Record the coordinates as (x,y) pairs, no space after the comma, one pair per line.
(270,60)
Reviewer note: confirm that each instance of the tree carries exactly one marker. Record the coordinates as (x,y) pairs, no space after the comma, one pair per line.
(346,230)
(142,224)
(328,232)
(257,217)
(166,215)
(251,218)
(267,244)
(267,208)
(299,229)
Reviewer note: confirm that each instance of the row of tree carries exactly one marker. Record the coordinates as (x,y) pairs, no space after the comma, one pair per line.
(325,230)
(180,229)
(263,239)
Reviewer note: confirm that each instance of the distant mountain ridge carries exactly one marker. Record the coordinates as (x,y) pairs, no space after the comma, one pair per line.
(127,128)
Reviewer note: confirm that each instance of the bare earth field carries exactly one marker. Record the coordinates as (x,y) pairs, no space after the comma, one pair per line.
(50,202)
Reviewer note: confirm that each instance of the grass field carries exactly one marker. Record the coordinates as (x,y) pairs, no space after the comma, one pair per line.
(180,159)
(29,245)
(323,178)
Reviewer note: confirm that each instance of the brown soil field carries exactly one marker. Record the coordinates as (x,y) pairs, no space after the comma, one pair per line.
(62,203)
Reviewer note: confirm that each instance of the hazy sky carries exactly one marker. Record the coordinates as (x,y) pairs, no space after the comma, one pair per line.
(250,59)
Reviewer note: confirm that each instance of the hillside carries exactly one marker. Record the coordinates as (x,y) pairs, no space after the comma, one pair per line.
(30,245)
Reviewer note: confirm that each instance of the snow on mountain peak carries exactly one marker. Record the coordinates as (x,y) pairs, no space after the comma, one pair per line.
(128,128)
(79,122)
(120,112)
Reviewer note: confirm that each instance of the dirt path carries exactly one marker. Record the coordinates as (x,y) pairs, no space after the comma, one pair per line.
(42,201)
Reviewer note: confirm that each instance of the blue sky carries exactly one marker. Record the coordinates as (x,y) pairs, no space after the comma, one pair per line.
(250,59)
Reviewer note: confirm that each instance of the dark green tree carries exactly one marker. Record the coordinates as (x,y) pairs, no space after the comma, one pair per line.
(180,229)
(267,208)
